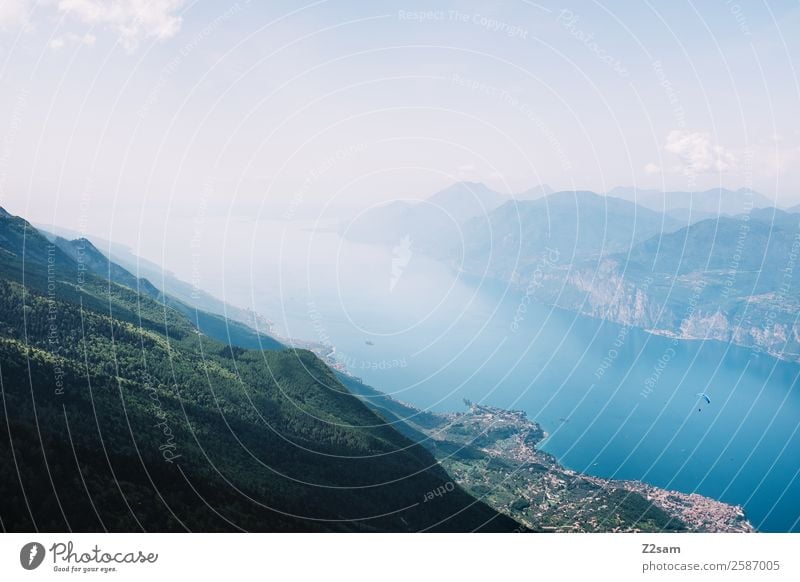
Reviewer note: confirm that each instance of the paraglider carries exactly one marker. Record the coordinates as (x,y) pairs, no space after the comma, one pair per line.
(705,397)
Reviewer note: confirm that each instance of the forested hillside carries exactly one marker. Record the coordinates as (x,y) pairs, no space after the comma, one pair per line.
(119,414)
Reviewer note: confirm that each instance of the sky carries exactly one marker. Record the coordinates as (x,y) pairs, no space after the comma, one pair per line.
(119,116)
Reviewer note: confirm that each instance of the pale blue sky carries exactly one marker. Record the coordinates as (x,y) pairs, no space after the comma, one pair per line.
(247,107)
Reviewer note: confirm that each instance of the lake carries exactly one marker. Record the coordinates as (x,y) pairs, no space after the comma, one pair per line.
(617,402)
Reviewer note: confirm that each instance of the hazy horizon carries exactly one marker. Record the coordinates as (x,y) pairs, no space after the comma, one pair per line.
(114,119)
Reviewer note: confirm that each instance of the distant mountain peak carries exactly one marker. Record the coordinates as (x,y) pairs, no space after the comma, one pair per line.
(695,205)
(535,192)
(463,200)
(574,194)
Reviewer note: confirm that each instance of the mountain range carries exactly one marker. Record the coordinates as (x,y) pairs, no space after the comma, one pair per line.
(718,264)
(433,223)
(689,206)
(240,322)
(126,409)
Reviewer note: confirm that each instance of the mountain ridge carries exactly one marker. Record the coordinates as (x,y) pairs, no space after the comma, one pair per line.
(696,205)
(121,415)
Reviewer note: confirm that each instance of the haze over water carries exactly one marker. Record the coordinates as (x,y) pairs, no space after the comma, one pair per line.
(617,402)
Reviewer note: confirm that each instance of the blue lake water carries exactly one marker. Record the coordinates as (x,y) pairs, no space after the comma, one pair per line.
(616,402)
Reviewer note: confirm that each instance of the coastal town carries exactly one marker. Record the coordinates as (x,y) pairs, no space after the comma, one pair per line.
(493,454)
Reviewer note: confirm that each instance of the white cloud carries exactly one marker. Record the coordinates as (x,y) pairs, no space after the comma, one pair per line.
(133,20)
(697,154)
(651,168)
(14,13)
(71,38)
(86,40)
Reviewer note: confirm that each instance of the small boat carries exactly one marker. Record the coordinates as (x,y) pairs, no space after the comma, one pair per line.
(368,342)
